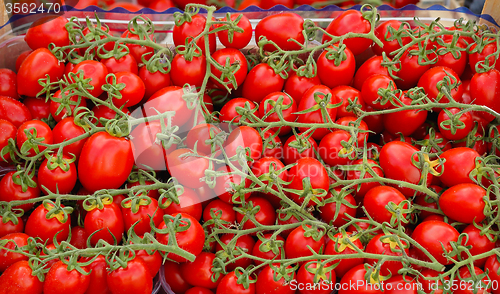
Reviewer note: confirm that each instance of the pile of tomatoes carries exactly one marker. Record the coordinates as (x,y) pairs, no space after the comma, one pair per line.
(361,157)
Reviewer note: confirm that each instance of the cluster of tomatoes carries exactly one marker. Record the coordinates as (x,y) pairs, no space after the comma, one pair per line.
(368,160)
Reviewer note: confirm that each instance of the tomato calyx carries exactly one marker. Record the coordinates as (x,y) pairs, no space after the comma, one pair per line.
(322,103)
(136,201)
(388,95)
(270,244)
(426,165)
(345,241)
(97,201)
(336,53)
(244,278)
(24,179)
(373,275)
(445,86)
(313,232)
(338,197)
(56,210)
(32,142)
(59,161)
(301,142)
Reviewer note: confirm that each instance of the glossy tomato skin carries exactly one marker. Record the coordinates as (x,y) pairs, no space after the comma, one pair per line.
(296,244)
(223,186)
(306,279)
(57,179)
(458,165)
(98,275)
(187,170)
(296,85)
(334,247)
(370,88)
(188,72)
(134,89)
(38,108)
(410,71)
(9,257)
(219,207)
(66,130)
(332,75)
(59,280)
(18,279)
(279,28)
(432,235)
(480,244)
(381,31)
(484,90)
(355,274)
(307,101)
(198,273)
(168,99)
(235,57)
(244,242)
(94,70)
(464,275)
(59,112)
(174,277)
(229,112)
(153,81)
(470,197)
(47,30)
(42,131)
(404,122)
(244,137)
(370,67)
(199,135)
(492,265)
(135,278)
(363,188)
(260,248)
(39,226)
(267,285)
(395,161)
(105,162)
(189,30)
(8,83)
(105,220)
(265,216)
(384,246)
(14,111)
(331,149)
(125,64)
(347,208)
(228,285)
(191,240)
(260,82)
(430,79)
(311,168)
(9,227)
(10,191)
(137,51)
(291,153)
(239,40)
(350,21)
(21,58)
(37,65)
(143,215)
(189,202)
(7,131)
(377,198)
(199,290)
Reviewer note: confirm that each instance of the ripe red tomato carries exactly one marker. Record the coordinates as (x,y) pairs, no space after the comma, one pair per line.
(434,236)
(7,226)
(125,64)
(38,108)
(229,285)
(95,71)
(188,72)
(297,243)
(308,101)
(264,249)
(18,278)
(333,75)
(135,278)
(59,109)
(60,280)
(370,88)
(168,99)
(243,137)
(356,173)
(153,81)
(188,170)
(189,202)
(8,83)
(370,67)
(469,286)
(110,158)
(229,113)
(430,79)
(38,130)
(108,221)
(480,57)
(404,122)
(469,197)
(280,28)
(484,88)
(337,213)
(46,30)
(382,33)
(312,169)
(141,213)
(296,85)
(266,283)
(261,82)
(492,265)
(190,240)
(220,208)
(306,275)
(239,40)
(383,245)
(203,136)
(265,216)
(78,237)
(331,149)
(174,278)
(199,272)
(225,187)
(137,51)
(235,57)
(338,246)
(189,30)
(350,21)
(396,162)
(66,130)
(14,111)
(293,146)
(410,70)
(134,89)
(480,244)
(98,275)
(376,200)
(37,65)
(56,176)
(244,242)
(459,162)
(7,131)
(44,227)
(8,257)
(10,191)
(448,60)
